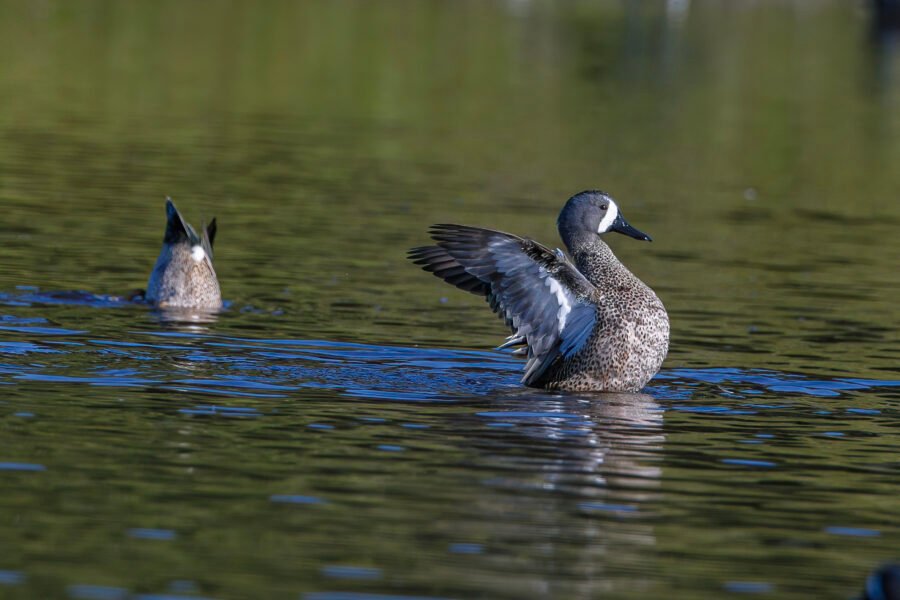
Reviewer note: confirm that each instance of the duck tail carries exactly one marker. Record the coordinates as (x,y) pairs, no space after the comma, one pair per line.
(177,229)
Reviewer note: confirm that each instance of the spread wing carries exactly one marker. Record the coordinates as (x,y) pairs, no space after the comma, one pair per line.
(542,297)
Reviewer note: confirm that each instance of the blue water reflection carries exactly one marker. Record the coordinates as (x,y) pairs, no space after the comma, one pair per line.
(589,474)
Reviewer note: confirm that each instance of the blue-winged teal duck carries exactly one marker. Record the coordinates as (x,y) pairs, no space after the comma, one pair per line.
(183,276)
(587,324)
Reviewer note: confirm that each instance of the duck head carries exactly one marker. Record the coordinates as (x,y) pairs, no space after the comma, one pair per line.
(594,212)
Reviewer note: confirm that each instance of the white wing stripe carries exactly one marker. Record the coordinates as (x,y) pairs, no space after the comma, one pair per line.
(563,298)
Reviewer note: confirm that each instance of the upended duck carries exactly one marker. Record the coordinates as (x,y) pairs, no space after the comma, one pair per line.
(586,324)
(184,277)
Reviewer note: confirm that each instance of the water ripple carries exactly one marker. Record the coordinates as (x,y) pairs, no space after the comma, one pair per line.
(272,368)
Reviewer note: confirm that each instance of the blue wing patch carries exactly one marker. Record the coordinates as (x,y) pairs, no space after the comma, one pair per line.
(578,329)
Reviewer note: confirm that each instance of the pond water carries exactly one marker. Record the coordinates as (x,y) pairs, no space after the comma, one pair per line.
(345,430)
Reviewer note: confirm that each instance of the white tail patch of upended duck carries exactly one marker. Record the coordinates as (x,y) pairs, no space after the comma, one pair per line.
(197,253)
(606,222)
(563,298)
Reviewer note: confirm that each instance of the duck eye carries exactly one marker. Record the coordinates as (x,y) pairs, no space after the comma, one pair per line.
(604,206)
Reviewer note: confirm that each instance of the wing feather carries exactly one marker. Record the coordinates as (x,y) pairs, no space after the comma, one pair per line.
(541,296)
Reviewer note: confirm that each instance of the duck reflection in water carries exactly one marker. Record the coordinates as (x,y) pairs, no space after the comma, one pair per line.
(186,319)
(607,435)
(577,472)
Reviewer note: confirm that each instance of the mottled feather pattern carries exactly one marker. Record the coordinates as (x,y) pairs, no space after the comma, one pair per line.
(631,337)
(182,276)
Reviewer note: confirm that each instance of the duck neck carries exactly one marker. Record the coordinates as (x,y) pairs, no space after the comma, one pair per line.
(595,259)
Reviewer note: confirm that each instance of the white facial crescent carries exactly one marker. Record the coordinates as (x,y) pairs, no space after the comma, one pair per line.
(611,213)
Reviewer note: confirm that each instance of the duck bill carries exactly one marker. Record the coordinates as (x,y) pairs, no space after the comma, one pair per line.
(620,225)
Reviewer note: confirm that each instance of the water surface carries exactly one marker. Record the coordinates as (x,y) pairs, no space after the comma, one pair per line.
(345,427)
